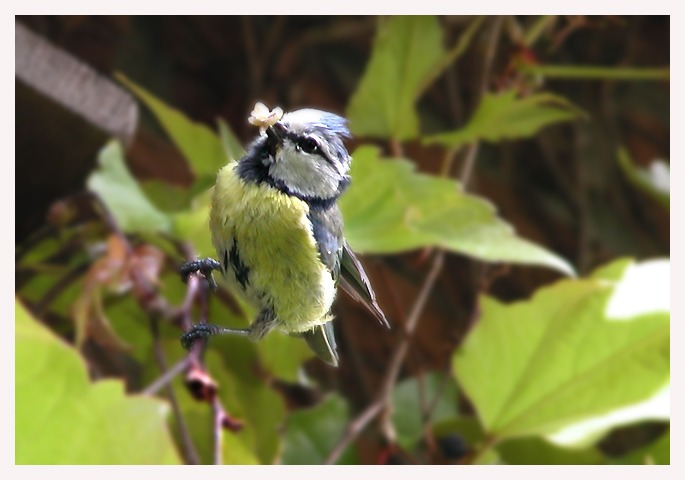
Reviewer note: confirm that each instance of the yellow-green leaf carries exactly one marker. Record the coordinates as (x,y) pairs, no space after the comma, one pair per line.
(407,415)
(391,208)
(567,356)
(504,116)
(310,434)
(406,50)
(536,451)
(63,418)
(199,144)
(231,144)
(122,194)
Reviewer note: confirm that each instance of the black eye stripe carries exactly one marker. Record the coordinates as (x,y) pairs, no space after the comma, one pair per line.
(309,145)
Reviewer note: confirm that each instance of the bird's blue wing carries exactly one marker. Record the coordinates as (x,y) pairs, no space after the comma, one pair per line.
(327,228)
(354,281)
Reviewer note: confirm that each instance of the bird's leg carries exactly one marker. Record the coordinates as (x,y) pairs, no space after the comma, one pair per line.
(205,266)
(262,325)
(206,330)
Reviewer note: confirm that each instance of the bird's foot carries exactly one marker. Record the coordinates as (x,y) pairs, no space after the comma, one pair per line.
(205,266)
(200,330)
(206,330)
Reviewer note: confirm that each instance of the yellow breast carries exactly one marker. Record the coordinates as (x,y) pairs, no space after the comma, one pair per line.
(276,244)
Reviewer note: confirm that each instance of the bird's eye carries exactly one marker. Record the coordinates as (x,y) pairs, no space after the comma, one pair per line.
(308,145)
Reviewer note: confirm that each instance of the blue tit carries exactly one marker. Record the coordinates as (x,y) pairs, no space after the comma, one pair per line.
(278,232)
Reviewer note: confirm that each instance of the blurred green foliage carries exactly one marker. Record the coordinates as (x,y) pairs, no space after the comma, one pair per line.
(531,370)
(63,418)
(311,433)
(504,116)
(392,208)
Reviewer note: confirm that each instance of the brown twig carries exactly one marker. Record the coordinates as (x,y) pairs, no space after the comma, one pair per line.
(60,286)
(430,408)
(198,380)
(356,426)
(490,52)
(469,162)
(189,450)
(358,362)
(396,149)
(166,377)
(427,413)
(217,437)
(472,151)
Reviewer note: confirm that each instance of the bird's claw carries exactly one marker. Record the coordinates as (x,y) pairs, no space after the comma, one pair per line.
(200,330)
(205,266)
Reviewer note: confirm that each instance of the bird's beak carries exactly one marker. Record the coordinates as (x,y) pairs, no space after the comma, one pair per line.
(276,133)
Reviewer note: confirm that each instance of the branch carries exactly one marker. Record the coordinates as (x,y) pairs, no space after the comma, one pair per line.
(190,452)
(166,377)
(354,428)
(472,152)
(198,381)
(357,425)
(217,439)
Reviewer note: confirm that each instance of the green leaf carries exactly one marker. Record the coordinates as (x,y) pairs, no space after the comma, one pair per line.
(536,451)
(627,301)
(589,431)
(50,276)
(391,208)
(198,143)
(655,181)
(311,434)
(450,56)
(132,325)
(235,451)
(407,416)
(122,194)
(231,144)
(568,357)
(282,355)
(63,418)
(405,51)
(249,398)
(192,225)
(503,116)
(167,197)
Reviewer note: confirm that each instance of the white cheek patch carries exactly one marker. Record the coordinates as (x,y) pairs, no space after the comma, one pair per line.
(304,174)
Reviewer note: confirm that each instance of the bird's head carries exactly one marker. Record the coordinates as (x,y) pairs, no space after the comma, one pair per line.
(306,155)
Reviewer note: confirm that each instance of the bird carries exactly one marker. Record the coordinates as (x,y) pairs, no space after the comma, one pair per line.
(278,232)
